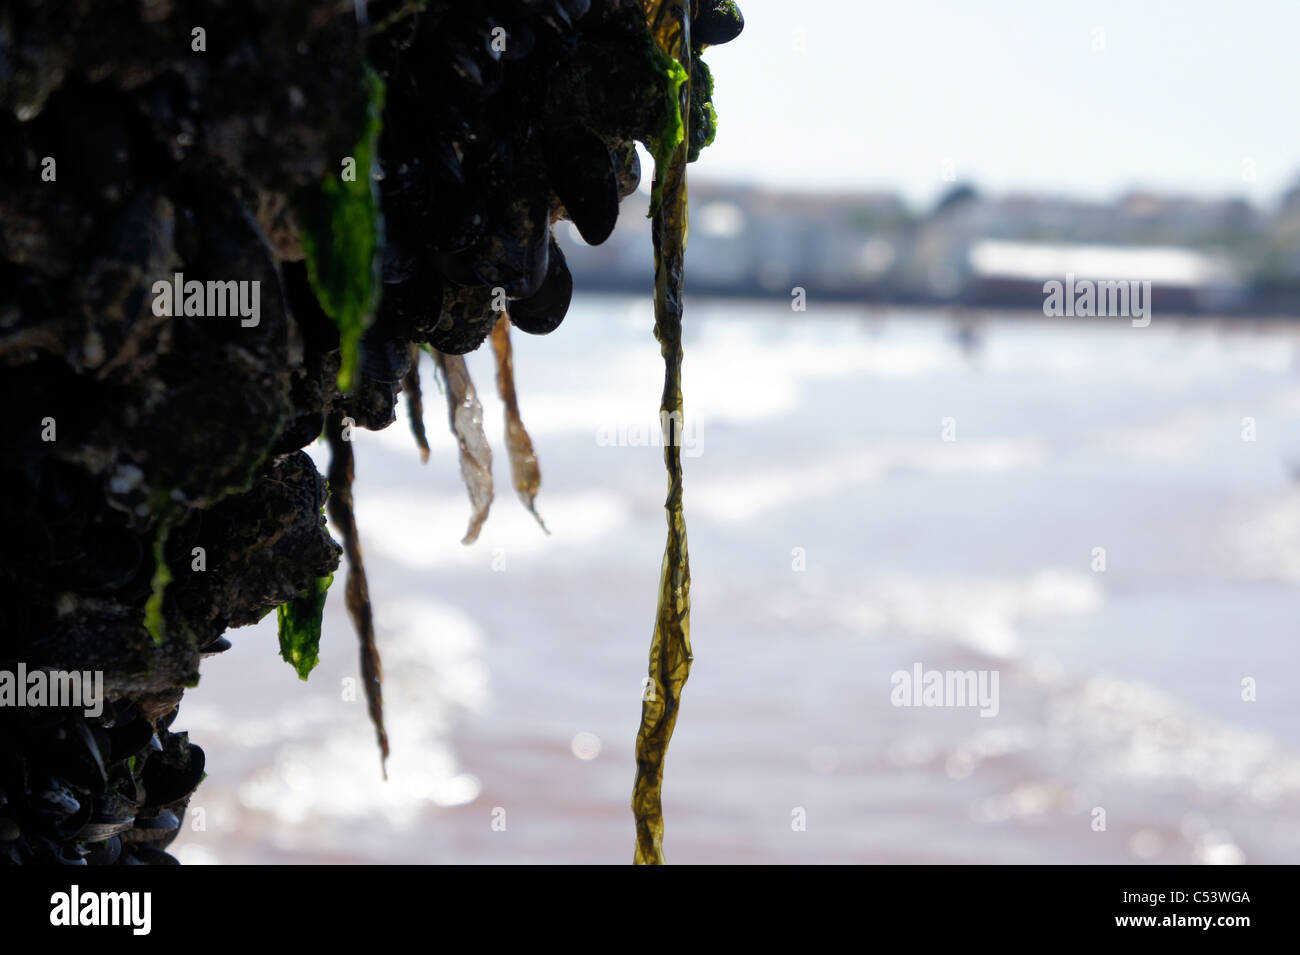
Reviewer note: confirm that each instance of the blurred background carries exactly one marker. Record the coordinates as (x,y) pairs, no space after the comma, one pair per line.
(918,468)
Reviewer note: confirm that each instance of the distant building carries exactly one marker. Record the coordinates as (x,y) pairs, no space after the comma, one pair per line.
(1001,272)
(1200,255)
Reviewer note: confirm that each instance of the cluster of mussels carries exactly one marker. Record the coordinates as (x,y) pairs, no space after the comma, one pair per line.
(153,490)
(511,115)
(76,790)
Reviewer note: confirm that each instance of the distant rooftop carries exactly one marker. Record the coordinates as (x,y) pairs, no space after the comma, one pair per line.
(1034,261)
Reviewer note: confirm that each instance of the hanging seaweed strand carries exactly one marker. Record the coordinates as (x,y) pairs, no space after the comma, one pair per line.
(357,591)
(670,647)
(415,404)
(525,472)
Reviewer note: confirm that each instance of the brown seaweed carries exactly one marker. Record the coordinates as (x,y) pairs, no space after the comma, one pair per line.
(670,647)
(465,416)
(415,404)
(357,591)
(525,472)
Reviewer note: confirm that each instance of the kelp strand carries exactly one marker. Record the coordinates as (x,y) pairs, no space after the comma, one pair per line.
(415,404)
(357,591)
(465,416)
(525,472)
(670,647)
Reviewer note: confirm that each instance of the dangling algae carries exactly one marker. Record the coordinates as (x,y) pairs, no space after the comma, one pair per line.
(357,590)
(670,647)
(525,472)
(299,623)
(415,404)
(465,416)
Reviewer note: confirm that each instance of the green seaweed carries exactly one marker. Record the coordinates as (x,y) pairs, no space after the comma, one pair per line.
(340,227)
(162,576)
(670,646)
(672,130)
(703,117)
(300,622)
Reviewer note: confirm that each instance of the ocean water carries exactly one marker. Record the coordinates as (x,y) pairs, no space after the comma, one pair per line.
(1146,712)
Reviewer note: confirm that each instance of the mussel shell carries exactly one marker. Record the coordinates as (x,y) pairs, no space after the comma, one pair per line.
(466,320)
(97,830)
(627,166)
(66,854)
(385,355)
(129,737)
(71,825)
(79,758)
(219,645)
(418,302)
(56,799)
(373,404)
(515,257)
(155,828)
(167,780)
(512,254)
(106,850)
(302,431)
(542,313)
(582,173)
(718,21)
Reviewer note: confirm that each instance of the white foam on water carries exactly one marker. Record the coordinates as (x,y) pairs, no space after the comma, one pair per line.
(1268,540)
(303,776)
(741,497)
(319,779)
(422,530)
(1122,729)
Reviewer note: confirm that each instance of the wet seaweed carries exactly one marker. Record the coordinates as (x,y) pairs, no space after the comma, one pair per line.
(154,621)
(465,417)
(299,623)
(525,472)
(670,646)
(356,590)
(342,238)
(415,404)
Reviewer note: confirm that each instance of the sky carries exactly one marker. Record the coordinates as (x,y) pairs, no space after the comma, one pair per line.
(1088,99)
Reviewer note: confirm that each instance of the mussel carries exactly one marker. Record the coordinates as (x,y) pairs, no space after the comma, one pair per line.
(542,313)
